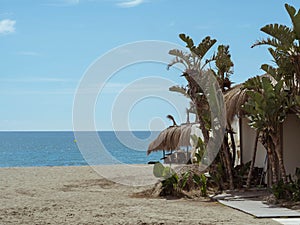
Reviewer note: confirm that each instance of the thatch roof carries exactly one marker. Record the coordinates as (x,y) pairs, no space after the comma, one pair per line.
(171,138)
(234,99)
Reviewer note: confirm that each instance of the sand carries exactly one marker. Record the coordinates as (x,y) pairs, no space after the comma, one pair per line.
(79,195)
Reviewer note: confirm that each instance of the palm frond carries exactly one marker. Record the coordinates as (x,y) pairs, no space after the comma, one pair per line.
(295,17)
(189,60)
(282,33)
(179,89)
(189,41)
(204,46)
(269,41)
(270,70)
(180,57)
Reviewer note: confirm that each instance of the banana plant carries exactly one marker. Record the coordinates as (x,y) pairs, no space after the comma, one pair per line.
(198,70)
(194,64)
(267,108)
(284,47)
(224,67)
(269,103)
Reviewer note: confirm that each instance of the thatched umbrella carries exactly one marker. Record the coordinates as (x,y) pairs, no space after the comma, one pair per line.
(234,99)
(236,96)
(175,137)
(185,134)
(171,139)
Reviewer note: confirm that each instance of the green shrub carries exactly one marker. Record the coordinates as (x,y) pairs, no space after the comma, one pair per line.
(173,184)
(289,191)
(160,171)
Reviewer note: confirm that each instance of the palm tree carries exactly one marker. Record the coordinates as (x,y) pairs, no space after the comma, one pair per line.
(284,47)
(267,107)
(196,72)
(194,68)
(224,67)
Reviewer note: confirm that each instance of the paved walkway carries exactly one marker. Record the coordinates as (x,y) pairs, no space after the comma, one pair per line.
(288,221)
(247,203)
(259,209)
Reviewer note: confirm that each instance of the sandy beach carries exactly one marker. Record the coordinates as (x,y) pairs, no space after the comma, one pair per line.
(79,195)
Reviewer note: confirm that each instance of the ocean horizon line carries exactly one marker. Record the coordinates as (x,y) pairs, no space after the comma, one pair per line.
(80,131)
(53,148)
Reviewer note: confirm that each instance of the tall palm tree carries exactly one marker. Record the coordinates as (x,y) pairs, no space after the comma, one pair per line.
(197,70)
(284,47)
(194,64)
(267,108)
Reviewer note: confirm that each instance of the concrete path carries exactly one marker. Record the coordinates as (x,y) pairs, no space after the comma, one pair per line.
(250,203)
(288,221)
(259,209)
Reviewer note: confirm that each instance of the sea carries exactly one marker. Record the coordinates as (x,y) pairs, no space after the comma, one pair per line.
(30,149)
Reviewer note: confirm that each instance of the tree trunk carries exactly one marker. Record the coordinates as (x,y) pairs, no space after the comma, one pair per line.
(205,132)
(253,161)
(268,144)
(228,166)
(232,145)
(278,150)
(272,160)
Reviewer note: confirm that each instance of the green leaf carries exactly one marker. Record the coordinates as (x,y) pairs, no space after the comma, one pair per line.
(197,179)
(180,57)
(179,89)
(185,178)
(255,96)
(267,85)
(167,172)
(253,84)
(269,41)
(204,46)
(189,42)
(158,170)
(295,17)
(281,33)
(278,87)
(270,70)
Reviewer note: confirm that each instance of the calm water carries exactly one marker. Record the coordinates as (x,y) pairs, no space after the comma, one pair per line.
(23,149)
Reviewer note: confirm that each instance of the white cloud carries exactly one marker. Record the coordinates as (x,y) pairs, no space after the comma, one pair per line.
(7,26)
(130,3)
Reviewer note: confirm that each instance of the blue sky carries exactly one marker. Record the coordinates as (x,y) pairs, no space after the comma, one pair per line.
(46,46)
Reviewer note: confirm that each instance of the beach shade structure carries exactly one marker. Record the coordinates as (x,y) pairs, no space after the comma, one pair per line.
(186,130)
(162,142)
(235,97)
(172,138)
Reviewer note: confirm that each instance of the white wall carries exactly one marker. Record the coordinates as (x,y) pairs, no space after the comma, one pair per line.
(235,125)
(247,145)
(291,143)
